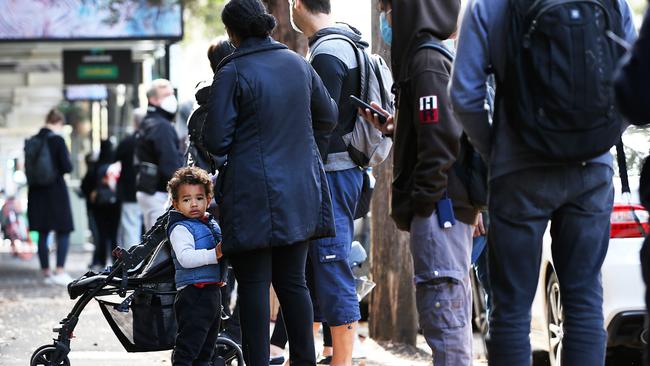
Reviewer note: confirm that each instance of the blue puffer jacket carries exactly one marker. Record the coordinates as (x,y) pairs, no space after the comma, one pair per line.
(265,103)
(206,236)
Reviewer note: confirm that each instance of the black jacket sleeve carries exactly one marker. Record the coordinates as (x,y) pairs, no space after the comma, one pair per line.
(60,154)
(166,146)
(324,113)
(438,136)
(633,78)
(89,183)
(223,112)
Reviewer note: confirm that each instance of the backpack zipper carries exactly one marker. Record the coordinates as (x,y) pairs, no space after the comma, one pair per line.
(551,4)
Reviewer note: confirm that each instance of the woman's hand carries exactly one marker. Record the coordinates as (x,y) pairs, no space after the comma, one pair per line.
(387,128)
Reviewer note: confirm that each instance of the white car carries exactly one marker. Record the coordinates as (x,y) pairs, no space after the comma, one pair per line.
(623,287)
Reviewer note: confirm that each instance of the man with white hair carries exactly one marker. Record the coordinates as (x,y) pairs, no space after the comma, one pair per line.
(157,151)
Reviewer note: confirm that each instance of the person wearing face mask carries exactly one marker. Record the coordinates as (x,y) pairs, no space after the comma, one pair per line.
(428,198)
(157,152)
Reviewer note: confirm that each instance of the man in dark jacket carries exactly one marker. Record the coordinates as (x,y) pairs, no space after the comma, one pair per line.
(633,100)
(335,61)
(130,229)
(526,191)
(428,198)
(633,79)
(157,151)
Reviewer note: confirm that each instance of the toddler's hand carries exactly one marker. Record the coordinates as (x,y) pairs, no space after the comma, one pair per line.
(218,250)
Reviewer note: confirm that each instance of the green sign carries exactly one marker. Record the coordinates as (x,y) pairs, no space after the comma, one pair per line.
(97,72)
(97,66)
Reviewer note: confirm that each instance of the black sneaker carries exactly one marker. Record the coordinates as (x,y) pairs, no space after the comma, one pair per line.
(277,360)
(325,360)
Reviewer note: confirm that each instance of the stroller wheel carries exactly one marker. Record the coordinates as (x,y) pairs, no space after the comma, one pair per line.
(227,353)
(49,355)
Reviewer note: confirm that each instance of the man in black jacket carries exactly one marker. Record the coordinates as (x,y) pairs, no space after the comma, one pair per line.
(157,151)
(130,228)
(428,198)
(633,100)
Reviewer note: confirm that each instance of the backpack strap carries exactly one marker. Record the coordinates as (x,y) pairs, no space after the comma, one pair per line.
(434,44)
(362,60)
(622,168)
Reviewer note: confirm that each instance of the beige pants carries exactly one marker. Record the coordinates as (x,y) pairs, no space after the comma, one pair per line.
(152,206)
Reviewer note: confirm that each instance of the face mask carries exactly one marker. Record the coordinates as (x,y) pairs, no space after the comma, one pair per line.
(386,29)
(169,104)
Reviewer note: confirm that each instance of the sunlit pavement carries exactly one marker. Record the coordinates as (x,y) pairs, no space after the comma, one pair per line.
(30,309)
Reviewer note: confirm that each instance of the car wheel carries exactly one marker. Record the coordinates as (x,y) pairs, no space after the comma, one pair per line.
(554,320)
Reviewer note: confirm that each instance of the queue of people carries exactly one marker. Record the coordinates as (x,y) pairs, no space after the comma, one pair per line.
(276,126)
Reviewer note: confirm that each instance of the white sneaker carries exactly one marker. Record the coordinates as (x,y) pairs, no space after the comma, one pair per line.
(61,279)
(48,280)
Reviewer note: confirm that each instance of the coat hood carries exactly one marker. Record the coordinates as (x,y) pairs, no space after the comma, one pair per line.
(418,20)
(343,29)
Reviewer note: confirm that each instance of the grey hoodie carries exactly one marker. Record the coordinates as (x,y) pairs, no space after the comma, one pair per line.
(480,52)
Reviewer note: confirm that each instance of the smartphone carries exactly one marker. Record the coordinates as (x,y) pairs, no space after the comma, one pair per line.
(445,211)
(363,105)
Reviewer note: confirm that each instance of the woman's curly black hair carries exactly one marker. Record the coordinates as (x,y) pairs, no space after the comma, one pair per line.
(248,18)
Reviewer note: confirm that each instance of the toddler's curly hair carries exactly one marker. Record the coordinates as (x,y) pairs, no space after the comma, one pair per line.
(189,175)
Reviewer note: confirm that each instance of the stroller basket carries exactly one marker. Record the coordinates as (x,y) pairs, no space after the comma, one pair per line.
(149,323)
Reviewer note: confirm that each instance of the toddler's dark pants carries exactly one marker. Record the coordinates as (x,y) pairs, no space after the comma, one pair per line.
(198,313)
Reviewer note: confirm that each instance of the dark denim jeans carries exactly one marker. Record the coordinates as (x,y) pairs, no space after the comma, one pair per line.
(62,244)
(577,199)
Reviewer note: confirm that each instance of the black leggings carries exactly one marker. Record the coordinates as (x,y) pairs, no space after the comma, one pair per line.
(279,336)
(284,267)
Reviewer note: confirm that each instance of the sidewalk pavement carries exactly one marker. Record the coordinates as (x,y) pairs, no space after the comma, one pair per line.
(30,309)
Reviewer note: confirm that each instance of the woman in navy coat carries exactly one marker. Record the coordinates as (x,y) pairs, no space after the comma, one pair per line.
(266,101)
(48,207)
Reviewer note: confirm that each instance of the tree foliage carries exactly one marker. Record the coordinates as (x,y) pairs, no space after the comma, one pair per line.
(205,15)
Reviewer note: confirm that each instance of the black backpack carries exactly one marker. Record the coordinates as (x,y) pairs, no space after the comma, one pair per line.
(469,166)
(559,76)
(197,154)
(39,165)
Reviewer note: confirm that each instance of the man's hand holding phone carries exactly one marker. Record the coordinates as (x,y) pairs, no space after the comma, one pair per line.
(371,116)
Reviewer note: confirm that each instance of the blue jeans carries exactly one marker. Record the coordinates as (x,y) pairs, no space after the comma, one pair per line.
(578,201)
(62,244)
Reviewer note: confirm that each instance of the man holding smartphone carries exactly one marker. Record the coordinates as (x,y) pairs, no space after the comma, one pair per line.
(335,61)
(428,198)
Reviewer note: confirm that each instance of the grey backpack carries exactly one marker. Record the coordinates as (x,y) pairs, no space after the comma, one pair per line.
(366,145)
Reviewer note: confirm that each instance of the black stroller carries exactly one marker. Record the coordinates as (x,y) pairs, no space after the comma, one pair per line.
(142,317)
